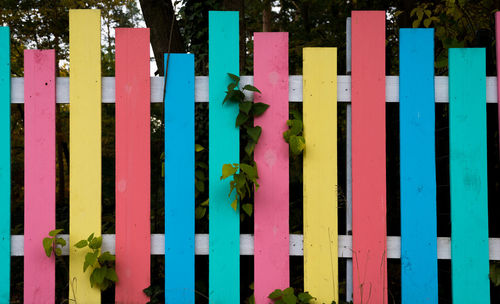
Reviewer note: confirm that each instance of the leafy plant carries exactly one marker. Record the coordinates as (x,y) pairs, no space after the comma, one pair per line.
(102,264)
(289,296)
(294,135)
(155,293)
(51,244)
(245,174)
(495,273)
(200,179)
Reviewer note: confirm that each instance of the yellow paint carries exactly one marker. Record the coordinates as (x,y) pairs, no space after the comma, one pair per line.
(85,144)
(320,174)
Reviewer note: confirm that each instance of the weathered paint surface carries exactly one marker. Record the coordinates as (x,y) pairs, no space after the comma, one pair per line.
(419,272)
(368,158)
(320,174)
(84,145)
(179,179)
(468,177)
(133,232)
(271,253)
(224,141)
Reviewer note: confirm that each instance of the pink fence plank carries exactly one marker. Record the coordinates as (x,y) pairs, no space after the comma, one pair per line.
(369,235)
(39,173)
(271,155)
(497,29)
(133,240)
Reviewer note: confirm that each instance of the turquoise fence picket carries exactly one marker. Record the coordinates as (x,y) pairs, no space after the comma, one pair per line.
(468,178)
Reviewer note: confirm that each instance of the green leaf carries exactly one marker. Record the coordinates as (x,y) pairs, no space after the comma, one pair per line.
(276,294)
(90,259)
(295,125)
(200,174)
(200,186)
(204,203)
(198,148)
(246,106)
(55,232)
(58,251)
(249,170)
(254,133)
(81,244)
(427,22)
(249,87)
(96,243)
(248,208)
(228,170)
(61,241)
(231,86)
(200,212)
(98,275)
(288,291)
(111,275)
(297,144)
(259,108)
(234,204)
(234,77)
(47,246)
(241,119)
(90,237)
(305,297)
(229,96)
(289,299)
(249,148)
(105,257)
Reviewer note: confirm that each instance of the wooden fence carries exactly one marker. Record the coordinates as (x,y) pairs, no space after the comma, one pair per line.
(467,89)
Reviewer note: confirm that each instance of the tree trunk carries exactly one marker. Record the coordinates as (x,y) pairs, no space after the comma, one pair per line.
(159,16)
(266,16)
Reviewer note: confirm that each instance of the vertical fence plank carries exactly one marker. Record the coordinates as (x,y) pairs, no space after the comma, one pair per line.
(368,157)
(133,238)
(5,163)
(85,145)
(418,169)
(224,140)
(39,173)
(271,247)
(320,174)
(468,178)
(179,179)
(497,35)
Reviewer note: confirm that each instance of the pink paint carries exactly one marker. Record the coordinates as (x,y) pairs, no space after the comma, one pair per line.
(497,28)
(271,253)
(39,173)
(133,240)
(368,158)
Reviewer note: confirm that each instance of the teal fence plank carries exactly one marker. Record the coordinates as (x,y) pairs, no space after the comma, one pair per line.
(468,176)
(224,229)
(5,164)
(179,179)
(419,273)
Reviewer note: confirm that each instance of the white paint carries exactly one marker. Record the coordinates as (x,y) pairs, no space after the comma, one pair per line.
(295,89)
(246,245)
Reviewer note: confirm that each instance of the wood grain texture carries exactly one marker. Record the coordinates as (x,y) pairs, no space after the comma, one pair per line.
(179,180)
(368,158)
(419,274)
(320,174)
(5,164)
(468,176)
(133,172)
(271,261)
(224,141)
(84,145)
(39,173)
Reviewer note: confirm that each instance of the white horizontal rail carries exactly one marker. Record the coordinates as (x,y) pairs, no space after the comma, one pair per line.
(295,89)
(246,245)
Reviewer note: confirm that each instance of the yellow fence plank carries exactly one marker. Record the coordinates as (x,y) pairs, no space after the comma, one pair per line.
(85,145)
(320,174)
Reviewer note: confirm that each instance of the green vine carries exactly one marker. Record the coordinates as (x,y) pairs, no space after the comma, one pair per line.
(245,174)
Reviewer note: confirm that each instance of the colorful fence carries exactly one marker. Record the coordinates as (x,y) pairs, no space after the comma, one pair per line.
(320,89)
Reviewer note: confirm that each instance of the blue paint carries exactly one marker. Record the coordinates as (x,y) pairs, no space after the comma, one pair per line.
(4,164)
(468,177)
(179,179)
(224,224)
(419,275)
